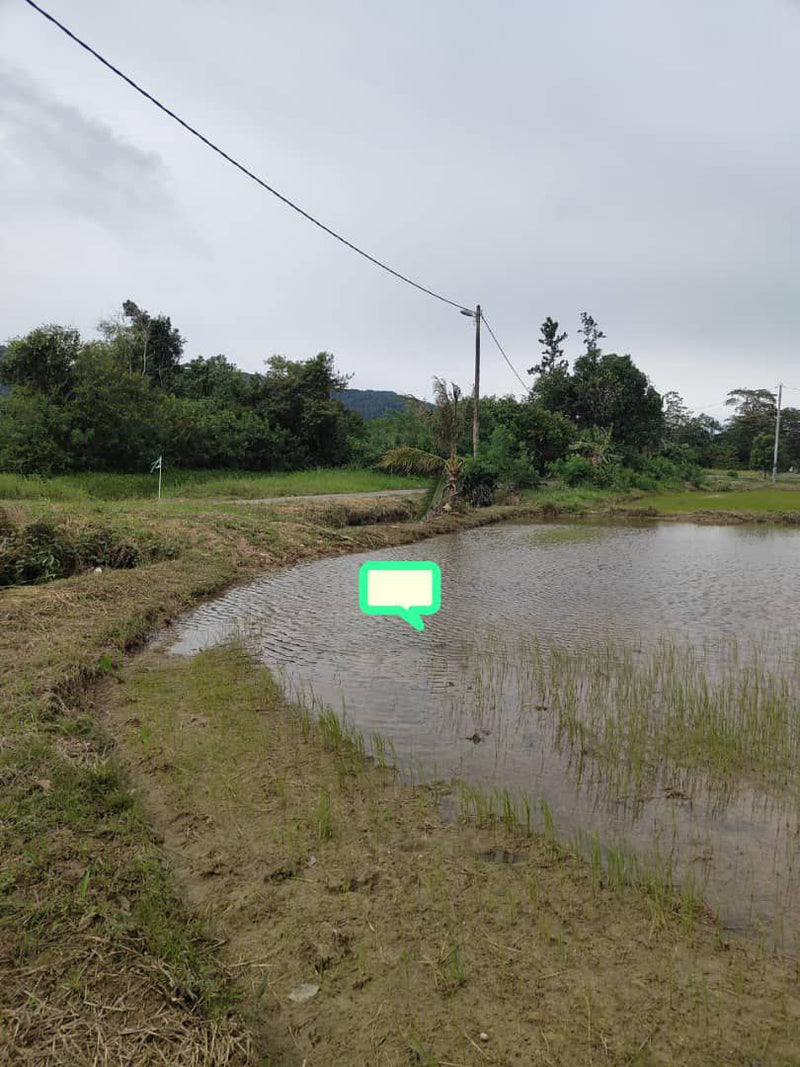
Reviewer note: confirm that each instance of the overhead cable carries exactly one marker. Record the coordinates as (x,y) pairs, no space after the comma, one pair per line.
(240,166)
(525,385)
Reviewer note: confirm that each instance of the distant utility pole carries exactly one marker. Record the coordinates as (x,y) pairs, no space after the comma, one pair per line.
(476,392)
(777,435)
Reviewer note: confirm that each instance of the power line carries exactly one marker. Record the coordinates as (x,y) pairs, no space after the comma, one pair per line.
(492,334)
(240,166)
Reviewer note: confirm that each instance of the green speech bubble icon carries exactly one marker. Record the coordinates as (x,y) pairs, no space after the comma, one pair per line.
(408,589)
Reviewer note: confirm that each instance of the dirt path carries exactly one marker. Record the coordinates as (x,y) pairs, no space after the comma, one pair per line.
(316,497)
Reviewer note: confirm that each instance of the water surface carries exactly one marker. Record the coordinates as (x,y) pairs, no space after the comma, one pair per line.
(575,585)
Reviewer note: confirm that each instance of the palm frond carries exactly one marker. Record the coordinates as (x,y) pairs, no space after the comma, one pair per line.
(407,460)
(433,496)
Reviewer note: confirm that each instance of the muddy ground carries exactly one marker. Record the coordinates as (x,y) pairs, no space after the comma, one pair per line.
(421,941)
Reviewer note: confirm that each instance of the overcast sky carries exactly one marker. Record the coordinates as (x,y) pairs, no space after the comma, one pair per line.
(638,159)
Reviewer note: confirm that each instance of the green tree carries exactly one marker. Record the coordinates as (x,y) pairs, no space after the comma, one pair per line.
(592,335)
(789,455)
(35,433)
(147,344)
(554,391)
(754,415)
(116,417)
(676,416)
(761,453)
(551,342)
(297,398)
(216,379)
(42,360)
(611,392)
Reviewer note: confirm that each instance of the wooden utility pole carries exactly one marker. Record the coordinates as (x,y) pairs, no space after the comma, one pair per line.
(477,391)
(777,435)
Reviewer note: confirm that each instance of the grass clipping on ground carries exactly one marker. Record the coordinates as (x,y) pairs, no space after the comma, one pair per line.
(325,875)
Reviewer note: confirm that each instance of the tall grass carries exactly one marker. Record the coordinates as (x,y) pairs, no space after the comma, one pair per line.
(247,485)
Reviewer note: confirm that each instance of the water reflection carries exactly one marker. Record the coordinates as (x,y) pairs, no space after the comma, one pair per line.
(583,589)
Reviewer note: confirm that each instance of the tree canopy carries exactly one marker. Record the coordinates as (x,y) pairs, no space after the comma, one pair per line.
(116,403)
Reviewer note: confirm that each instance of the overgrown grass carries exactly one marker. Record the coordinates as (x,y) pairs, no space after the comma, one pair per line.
(746,493)
(194,484)
(577,501)
(44,549)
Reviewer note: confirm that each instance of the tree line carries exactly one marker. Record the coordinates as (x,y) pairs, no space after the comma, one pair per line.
(116,402)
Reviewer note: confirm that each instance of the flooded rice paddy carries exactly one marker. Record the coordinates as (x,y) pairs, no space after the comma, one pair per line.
(636,685)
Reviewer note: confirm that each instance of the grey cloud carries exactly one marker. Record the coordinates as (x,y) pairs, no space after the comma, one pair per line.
(55,157)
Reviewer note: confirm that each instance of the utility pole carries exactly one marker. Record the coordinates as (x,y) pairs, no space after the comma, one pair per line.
(777,435)
(477,392)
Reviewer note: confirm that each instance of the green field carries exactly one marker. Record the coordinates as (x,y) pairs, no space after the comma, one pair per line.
(780,499)
(247,485)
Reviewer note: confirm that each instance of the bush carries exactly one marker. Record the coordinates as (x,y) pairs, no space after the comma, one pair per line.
(732,474)
(363,453)
(573,470)
(478,482)
(43,551)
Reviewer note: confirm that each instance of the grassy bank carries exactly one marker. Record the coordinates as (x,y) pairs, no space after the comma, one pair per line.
(417,942)
(248,485)
(100,961)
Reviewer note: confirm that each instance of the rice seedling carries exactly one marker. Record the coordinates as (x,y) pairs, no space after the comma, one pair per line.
(324,816)
(549,824)
(637,718)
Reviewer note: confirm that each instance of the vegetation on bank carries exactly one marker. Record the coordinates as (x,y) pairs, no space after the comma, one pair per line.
(98,956)
(781,499)
(416,941)
(43,549)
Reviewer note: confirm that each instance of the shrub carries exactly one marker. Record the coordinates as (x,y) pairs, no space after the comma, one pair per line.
(509,459)
(44,551)
(572,470)
(478,482)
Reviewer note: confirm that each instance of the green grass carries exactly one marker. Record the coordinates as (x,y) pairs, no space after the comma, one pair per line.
(780,499)
(576,501)
(248,485)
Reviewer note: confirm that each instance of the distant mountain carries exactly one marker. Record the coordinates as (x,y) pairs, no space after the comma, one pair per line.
(371,403)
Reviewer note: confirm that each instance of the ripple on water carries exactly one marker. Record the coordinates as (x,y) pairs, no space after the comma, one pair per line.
(576,585)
